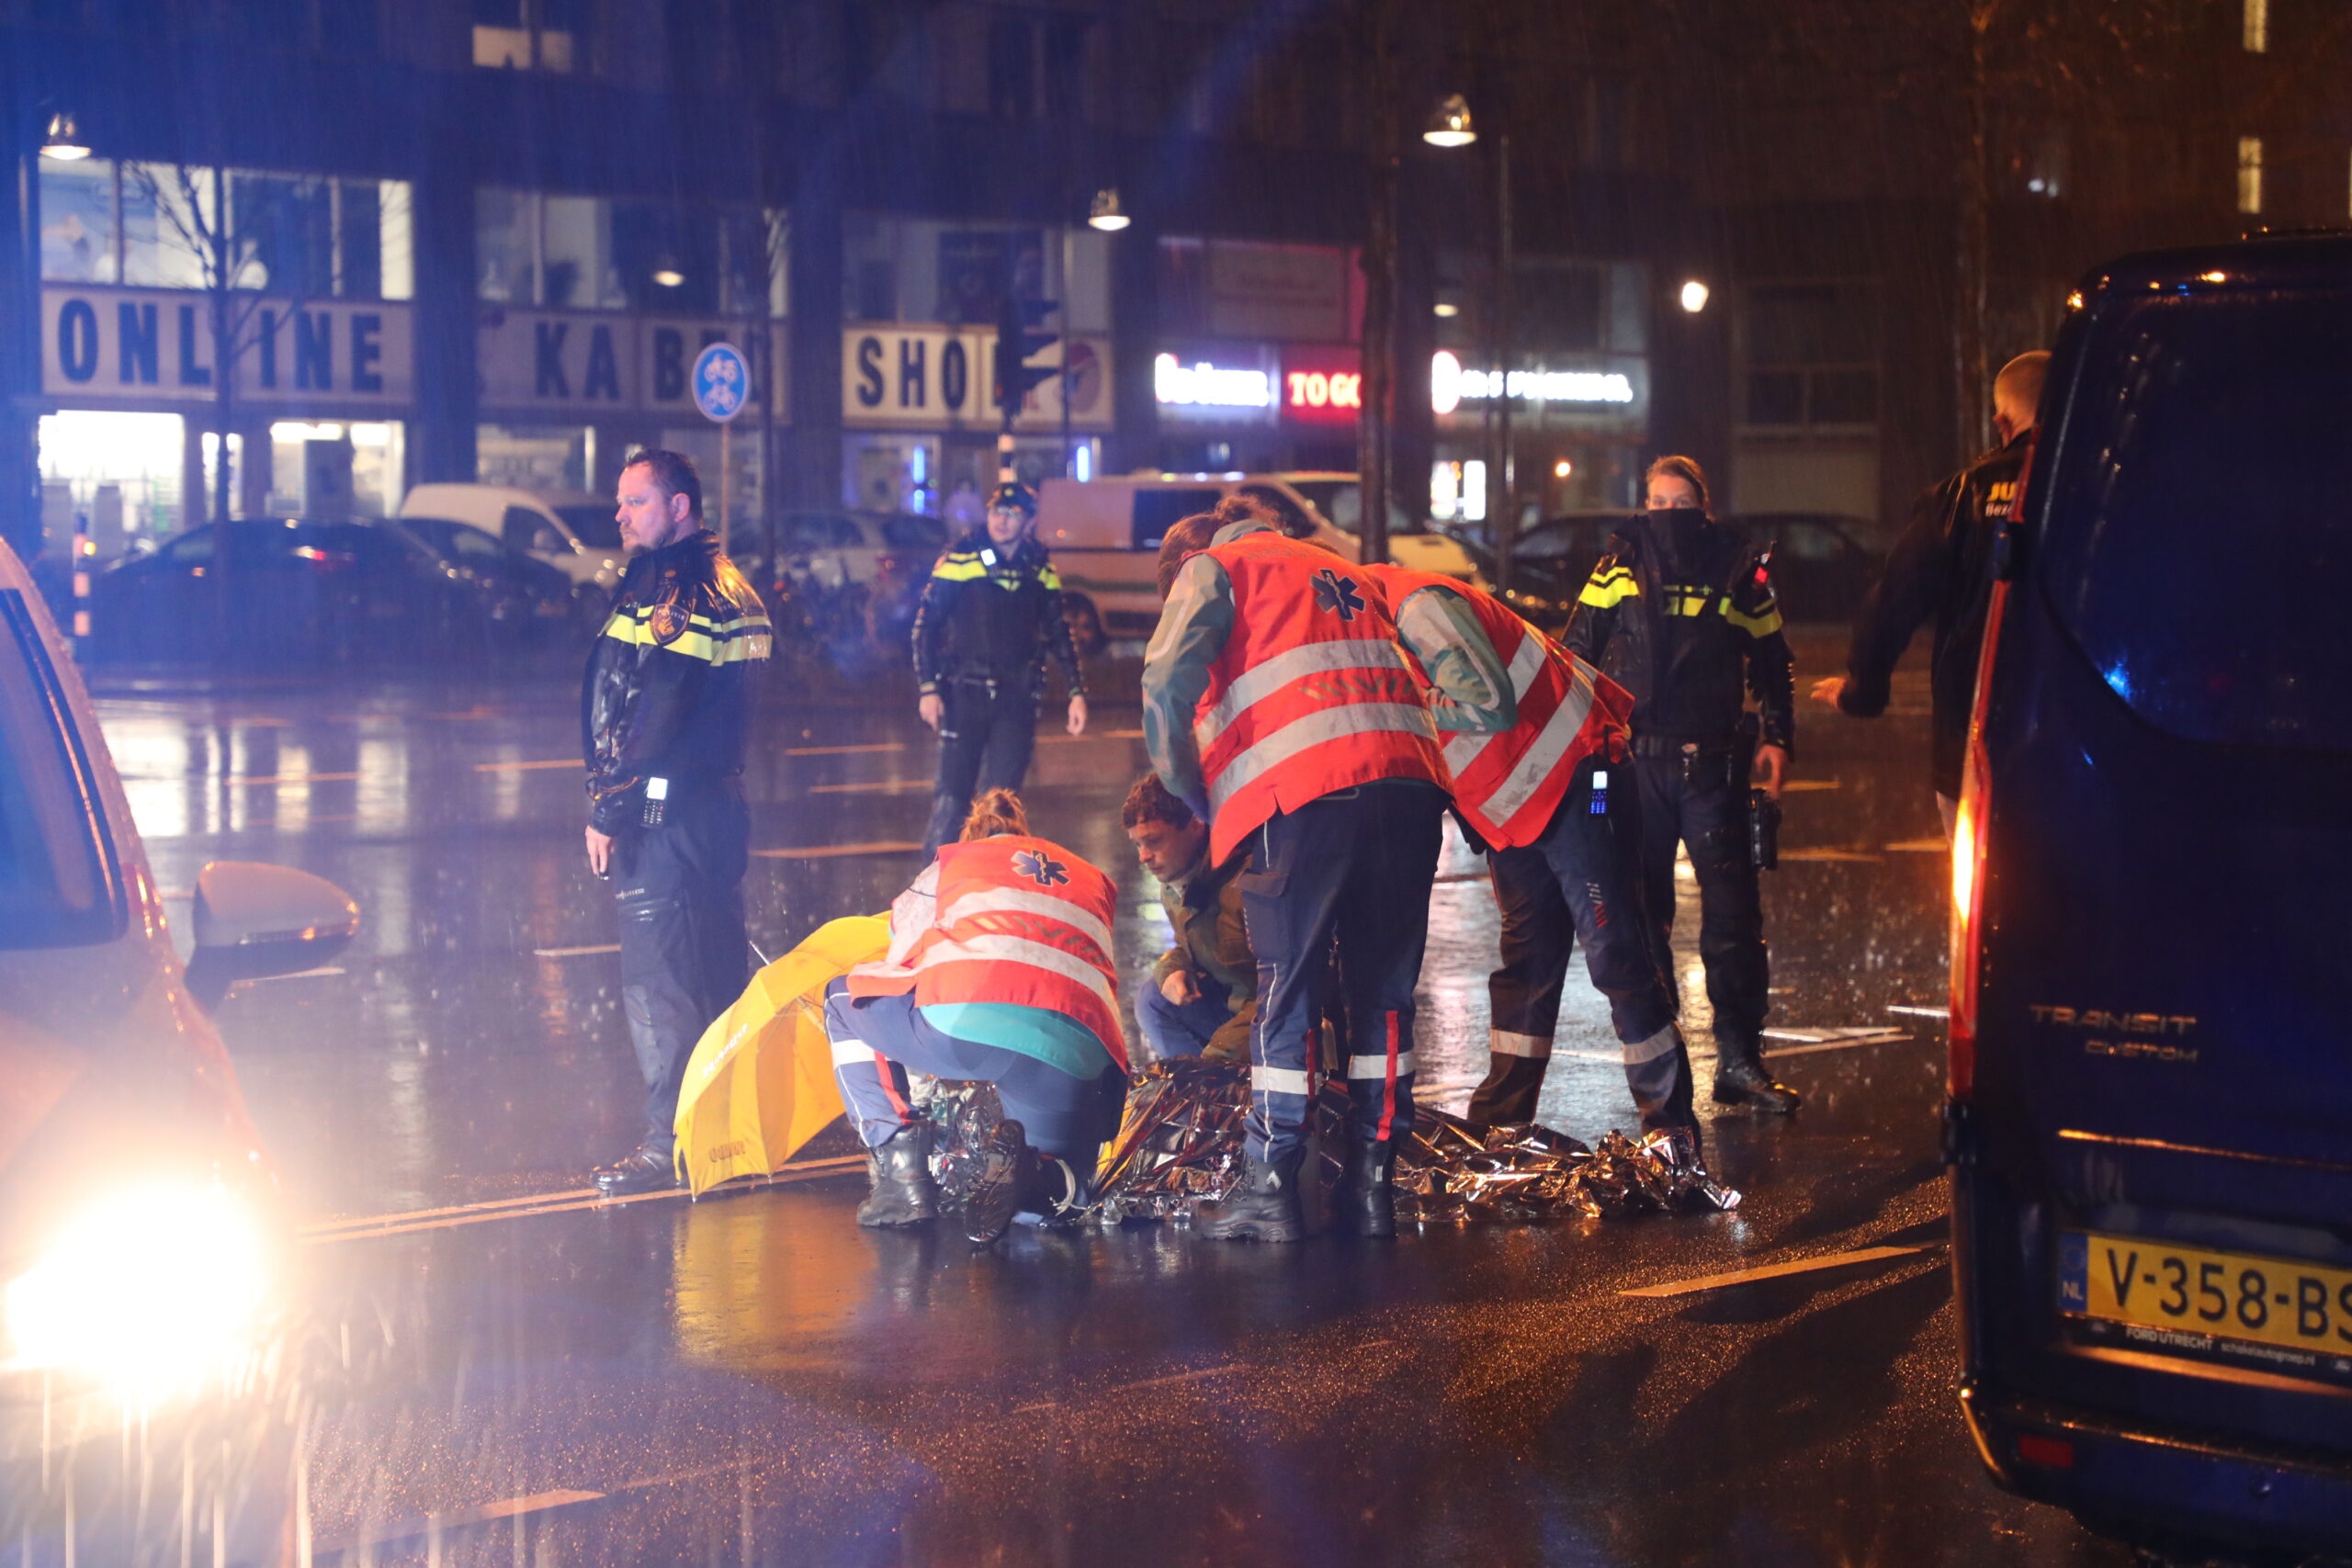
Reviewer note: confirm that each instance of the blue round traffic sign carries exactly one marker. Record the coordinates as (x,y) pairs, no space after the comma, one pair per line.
(722,382)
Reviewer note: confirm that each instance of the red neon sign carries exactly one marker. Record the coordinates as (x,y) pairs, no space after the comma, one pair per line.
(1324,387)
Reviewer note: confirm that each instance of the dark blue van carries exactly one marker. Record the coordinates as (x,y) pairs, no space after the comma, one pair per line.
(2151,1094)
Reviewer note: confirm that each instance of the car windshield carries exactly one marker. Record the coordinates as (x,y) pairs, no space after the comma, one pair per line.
(54,887)
(2213,432)
(595,527)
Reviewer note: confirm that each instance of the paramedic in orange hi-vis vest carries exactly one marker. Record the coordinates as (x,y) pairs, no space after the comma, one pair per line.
(1563,844)
(1278,707)
(999,971)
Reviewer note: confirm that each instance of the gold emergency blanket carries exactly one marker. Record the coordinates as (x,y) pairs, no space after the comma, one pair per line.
(1179,1143)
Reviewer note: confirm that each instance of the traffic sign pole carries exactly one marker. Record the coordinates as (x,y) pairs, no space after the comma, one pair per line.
(722,385)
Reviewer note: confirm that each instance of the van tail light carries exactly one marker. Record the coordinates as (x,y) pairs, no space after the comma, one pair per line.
(1974,816)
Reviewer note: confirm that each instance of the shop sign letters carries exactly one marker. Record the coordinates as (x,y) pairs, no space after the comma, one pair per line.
(150,345)
(944,378)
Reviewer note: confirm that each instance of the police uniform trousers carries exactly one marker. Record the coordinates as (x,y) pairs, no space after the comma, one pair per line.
(877,1039)
(679,886)
(985,739)
(1580,881)
(1699,797)
(1356,864)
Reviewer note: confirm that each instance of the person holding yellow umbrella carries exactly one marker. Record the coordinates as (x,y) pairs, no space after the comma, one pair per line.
(999,971)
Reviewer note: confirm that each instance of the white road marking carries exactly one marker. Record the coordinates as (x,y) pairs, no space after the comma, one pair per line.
(379,1226)
(844,750)
(574,951)
(1829,855)
(294,779)
(1920,1011)
(1796,785)
(832,851)
(432,1525)
(1774,1271)
(573,762)
(297,974)
(879,786)
(1917,846)
(1193,1376)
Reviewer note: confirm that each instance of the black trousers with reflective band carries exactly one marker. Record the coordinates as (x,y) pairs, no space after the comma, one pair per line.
(1580,881)
(685,958)
(1704,804)
(984,743)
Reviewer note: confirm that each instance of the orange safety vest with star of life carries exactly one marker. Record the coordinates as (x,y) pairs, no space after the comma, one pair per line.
(1510,783)
(1019,921)
(1310,693)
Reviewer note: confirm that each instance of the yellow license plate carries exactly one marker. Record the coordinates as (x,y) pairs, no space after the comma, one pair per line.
(2173,1297)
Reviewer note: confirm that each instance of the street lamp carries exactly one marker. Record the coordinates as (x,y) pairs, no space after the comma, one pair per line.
(64,142)
(1449,126)
(1106,214)
(1694,296)
(666,273)
(1449,123)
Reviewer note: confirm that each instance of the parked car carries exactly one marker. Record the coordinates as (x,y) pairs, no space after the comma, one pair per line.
(865,567)
(2150,1114)
(137,1226)
(297,591)
(1105,535)
(525,597)
(575,532)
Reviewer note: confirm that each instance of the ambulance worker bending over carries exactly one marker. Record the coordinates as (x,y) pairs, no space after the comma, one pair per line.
(999,971)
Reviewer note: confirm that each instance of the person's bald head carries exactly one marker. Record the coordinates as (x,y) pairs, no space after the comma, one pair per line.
(2017,393)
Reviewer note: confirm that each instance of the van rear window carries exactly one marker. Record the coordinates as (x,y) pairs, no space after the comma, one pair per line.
(2200,523)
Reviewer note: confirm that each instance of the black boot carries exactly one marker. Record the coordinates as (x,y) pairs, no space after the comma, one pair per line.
(899,1176)
(1741,1078)
(643,1169)
(1263,1208)
(1364,1204)
(1017,1180)
(1507,1096)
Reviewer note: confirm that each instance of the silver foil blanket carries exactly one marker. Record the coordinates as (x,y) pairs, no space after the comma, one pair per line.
(1179,1143)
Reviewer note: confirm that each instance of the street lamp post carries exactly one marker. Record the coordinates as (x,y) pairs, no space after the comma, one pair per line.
(1450,125)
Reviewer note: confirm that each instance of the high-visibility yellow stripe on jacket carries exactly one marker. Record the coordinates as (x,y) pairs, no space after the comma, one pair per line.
(1019,921)
(734,639)
(1510,784)
(1310,693)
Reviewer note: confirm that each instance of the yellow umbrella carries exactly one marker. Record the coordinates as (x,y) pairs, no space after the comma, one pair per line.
(761,1081)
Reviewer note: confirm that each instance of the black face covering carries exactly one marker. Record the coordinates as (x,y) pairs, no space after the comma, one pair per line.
(1680,532)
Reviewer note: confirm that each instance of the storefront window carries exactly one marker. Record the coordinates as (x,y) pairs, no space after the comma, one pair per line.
(911,269)
(589,253)
(120,470)
(162,226)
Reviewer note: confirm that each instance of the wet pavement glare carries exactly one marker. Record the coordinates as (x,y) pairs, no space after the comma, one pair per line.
(751,1378)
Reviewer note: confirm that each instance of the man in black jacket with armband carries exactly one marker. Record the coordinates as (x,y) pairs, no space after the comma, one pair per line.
(662,718)
(1681,615)
(990,616)
(1942,567)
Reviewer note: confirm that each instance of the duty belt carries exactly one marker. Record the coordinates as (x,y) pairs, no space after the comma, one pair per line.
(1675,745)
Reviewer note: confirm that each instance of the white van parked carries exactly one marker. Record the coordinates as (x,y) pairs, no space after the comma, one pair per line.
(1104,535)
(576,532)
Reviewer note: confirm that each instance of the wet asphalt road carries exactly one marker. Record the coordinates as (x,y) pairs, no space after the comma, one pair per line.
(752,1379)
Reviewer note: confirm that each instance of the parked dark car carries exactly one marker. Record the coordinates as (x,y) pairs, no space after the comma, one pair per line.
(1822,564)
(525,597)
(2151,1077)
(294,591)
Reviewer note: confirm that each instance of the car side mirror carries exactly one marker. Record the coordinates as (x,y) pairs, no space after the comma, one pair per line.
(253,921)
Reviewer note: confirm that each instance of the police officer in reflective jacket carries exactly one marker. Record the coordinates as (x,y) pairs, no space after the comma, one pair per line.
(1681,615)
(990,616)
(663,711)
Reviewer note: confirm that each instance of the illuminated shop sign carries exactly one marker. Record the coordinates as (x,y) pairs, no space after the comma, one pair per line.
(1451,385)
(1202,385)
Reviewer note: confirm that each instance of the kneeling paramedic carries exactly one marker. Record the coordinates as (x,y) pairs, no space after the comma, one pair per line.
(1278,707)
(1533,769)
(663,709)
(998,971)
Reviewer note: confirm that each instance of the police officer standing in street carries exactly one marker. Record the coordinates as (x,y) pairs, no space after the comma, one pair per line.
(1277,706)
(1942,567)
(663,711)
(989,615)
(1681,615)
(1541,775)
